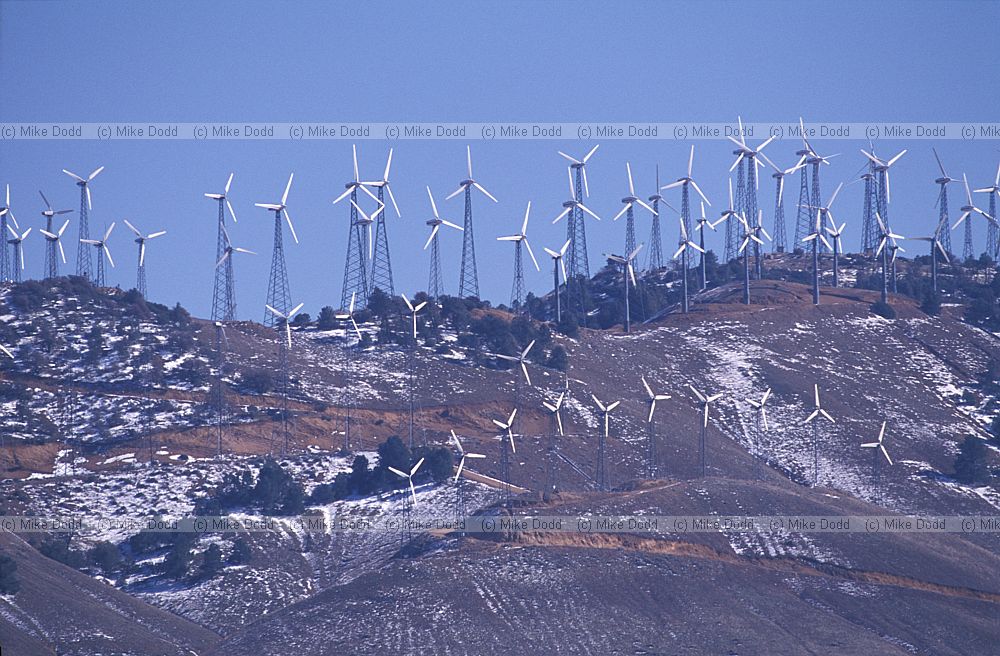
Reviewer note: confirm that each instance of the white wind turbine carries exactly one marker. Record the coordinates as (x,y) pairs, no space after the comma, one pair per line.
(228,251)
(517,294)
(749,236)
(281,208)
(435,286)
(703,223)
(383,183)
(994,193)
(581,165)
(936,247)
(683,245)
(83,255)
(628,203)
(556,410)
(557,263)
(573,203)
(705,401)
(520,359)
(602,477)
(354,185)
(886,243)
(507,426)
(141,239)
(102,247)
(286,319)
(344,316)
(969,207)
(366,222)
(469,182)
(463,455)
(409,478)
(18,243)
(414,309)
(684,183)
(811,419)
(628,272)
(760,418)
(651,451)
(50,247)
(879,450)
(223,198)
(56,238)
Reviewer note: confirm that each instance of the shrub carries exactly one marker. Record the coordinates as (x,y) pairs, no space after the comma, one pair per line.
(211,563)
(9,583)
(970,465)
(241,552)
(327,319)
(258,381)
(883,310)
(558,359)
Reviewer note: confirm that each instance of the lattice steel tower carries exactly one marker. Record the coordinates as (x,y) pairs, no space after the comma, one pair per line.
(577,261)
(733,235)
(278,295)
(869,226)
(223,289)
(804,218)
(654,260)
(468,279)
(780,243)
(381,274)
(84,266)
(6,251)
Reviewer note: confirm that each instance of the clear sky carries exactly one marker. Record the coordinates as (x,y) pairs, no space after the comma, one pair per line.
(379,61)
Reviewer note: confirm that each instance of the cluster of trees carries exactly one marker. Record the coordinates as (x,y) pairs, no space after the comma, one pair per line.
(365,480)
(273,492)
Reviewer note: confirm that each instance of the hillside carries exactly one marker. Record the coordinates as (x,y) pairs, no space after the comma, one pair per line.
(932,378)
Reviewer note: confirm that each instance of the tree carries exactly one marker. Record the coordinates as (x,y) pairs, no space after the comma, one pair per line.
(106,557)
(211,563)
(558,359)
(971,467)
(178,560)
(241,552)
(9,583)
(301,320)
(931,304)
(883,310)
(327,318)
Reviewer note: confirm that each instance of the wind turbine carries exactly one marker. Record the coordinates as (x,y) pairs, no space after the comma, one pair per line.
(409,478)
(278,294)
(967,210)
(468,282)
(886,236)
(140,276)
(284,345)
(414,309)
(381,273)
(836,233)
(365,222)
(880,168)
(704,401)
(82,254)
(52,264)
(816,237)
(749,237)
(459,488)
(349,315)
(760,417)
(8,262)
(936,247)
(628,271)
(942,202)
(602,476)
(825,211)
(223,305)
(809,196)
(879,450)
(520,359)
(811,419)
(434,286)
(557,263)
(505,455)
(780,232)
(684,183)
(994,238)
(102,246)
(751,155)
(517,291)
(683,246)
(355,265)
(226,260)
(655,257)
(556,409)
(702,224)
(652,458)
(17,243)
(50,246)
(629,203)
(576,231)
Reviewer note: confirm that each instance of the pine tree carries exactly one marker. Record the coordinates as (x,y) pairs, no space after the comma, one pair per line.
(971,467)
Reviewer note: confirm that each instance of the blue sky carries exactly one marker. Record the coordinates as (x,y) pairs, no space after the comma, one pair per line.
(592,61)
